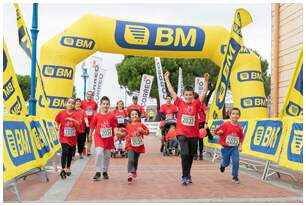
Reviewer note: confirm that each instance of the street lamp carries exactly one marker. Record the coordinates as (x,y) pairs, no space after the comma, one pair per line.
(85,77)
(34,33)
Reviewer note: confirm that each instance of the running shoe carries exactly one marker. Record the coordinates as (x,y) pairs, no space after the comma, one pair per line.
(97,176)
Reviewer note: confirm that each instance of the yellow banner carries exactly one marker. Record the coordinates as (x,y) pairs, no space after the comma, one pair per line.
(25,44)
(28,143)
(293,105)
(60,55)
(292,152)
(241,19)
(12,96)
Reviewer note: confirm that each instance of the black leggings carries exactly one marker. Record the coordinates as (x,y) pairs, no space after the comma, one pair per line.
(188,149)
(67,152)
(200,146)
(81,142)
(133,158)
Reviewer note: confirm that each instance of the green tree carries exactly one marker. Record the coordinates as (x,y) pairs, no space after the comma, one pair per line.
(24,83)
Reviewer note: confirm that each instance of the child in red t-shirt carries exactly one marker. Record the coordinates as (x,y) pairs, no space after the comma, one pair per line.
(68,122)
(231,137)
(187,127)
(103,124)
(135,131)
(81,129)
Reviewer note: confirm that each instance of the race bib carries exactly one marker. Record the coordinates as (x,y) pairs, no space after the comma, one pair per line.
(89,112)
(187,120)
(169,116)
(106,132)
(120,119)
(136,141)
(232,140)
(69,132)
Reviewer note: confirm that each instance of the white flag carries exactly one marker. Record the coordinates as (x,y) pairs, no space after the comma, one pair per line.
(96,77)
(162,91)
(180,86)
(145,89)
(199,84)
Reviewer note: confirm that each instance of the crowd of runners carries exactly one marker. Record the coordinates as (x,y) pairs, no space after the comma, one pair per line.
(183,126)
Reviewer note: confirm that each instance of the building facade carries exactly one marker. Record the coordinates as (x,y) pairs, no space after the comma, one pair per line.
(287,40)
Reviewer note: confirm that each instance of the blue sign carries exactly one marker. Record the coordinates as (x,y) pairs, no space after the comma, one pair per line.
(54,71)
(213,127)
(8,89)
(295,145)
(251,75)
(78,42)
(41,138)
(252,102)
(266,136)
(145,36)
(18,142)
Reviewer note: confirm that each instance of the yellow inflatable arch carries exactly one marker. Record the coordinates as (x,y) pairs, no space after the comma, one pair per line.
(60,55)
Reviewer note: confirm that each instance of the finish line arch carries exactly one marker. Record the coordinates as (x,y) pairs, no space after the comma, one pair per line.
(60,55)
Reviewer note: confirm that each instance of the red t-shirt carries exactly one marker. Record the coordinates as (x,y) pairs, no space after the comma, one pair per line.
(202,116)
(68,129)
(134,140)
(104,125)
(168,111)
(232,134)
(138,107)
(187,118)
(81,115)
(120,115)
(90,108)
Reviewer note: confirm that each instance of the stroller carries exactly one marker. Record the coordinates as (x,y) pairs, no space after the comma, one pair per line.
(170,141)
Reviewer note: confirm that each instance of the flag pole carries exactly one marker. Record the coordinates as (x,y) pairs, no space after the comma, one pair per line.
(34,33)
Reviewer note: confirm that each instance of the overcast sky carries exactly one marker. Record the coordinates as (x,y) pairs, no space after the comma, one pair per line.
(54,18)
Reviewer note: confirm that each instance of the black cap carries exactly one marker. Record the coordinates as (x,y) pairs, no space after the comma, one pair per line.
(134,97)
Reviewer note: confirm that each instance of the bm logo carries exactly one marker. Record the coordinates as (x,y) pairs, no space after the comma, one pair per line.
(133,35)
(295,147)
(77,42)
(54,71)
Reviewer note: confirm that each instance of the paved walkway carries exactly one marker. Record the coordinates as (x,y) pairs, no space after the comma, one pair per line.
(157,181)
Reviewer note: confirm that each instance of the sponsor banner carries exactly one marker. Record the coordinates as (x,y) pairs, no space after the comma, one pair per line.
(51,70)
(241,19)
(262,138)
(96,77)
(199,83)
(180,86)
(292,151)
(145,89)
(12,96)
(28,143)
(162,91)
(293,105)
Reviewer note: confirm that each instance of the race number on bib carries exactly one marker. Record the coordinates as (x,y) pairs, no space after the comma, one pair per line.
(136,141)
(69,131)
(89,112)
(169,116)
(120,119)
(106,132)
(187,120)
(232,140)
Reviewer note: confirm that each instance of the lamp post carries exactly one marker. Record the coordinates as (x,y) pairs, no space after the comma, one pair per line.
(34,33)
(85,77)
